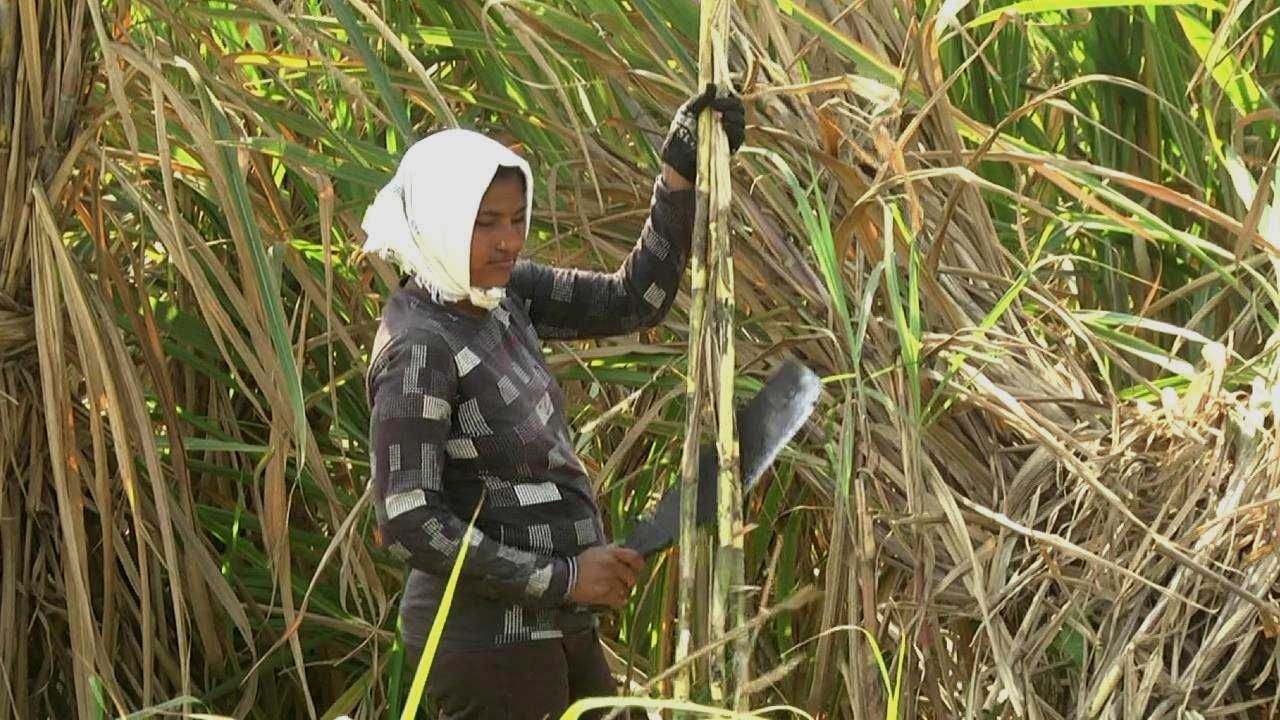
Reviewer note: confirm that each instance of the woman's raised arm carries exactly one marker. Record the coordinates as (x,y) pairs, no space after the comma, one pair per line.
(571,303)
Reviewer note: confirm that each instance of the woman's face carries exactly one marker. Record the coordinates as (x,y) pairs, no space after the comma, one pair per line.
(498,235)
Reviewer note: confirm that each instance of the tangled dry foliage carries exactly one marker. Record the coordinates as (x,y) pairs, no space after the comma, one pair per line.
(1005,247)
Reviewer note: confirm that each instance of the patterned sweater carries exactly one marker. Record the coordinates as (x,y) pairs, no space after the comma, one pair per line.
(465,413)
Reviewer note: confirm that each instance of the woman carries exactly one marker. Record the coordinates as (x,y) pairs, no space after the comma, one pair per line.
(466,415)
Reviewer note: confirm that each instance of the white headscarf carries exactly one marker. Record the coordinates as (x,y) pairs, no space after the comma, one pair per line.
(422,220)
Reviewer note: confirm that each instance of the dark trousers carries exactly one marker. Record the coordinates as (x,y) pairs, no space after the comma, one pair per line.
(529,680)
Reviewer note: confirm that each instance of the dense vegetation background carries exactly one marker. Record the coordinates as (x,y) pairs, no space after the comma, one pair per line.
(1034,256)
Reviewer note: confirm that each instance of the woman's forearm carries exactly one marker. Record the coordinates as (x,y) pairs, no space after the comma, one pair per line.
(674,180)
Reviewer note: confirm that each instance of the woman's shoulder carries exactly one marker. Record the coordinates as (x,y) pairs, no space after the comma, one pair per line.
(408,322)
(408,312)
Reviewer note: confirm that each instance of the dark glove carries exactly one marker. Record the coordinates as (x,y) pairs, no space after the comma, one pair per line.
(680,150)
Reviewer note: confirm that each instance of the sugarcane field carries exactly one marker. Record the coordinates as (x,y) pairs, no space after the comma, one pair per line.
(648,359)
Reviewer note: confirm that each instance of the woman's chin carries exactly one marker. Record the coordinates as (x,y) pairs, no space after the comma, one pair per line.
(490,282)
(492,278)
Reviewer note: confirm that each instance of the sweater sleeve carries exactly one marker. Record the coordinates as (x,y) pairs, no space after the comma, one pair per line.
(412,388)
(570,303)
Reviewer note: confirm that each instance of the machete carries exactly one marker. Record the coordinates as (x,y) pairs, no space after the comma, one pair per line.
(765,424)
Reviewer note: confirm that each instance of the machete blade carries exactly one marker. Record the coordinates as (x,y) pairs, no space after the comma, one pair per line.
(766,423)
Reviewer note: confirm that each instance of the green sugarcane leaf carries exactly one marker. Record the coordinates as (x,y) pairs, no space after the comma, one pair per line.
(432,645)
(1235,81)
(1028,7)
(265,276)
(392,100)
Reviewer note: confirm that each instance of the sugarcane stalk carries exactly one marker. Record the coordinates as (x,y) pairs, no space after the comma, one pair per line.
(728,600)
(688,541)
(709,385)
(728,609)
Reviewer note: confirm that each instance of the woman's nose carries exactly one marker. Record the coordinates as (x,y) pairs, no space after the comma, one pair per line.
(511,238)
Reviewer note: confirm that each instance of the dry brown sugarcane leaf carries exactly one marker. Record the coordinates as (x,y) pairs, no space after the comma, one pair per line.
(1026,419)
(125,407)
(1253,218)
(50,346)
(1047,166)
(222,327)
(829,132)
(275,524)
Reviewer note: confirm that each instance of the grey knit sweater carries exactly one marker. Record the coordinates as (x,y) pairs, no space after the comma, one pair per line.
(465,413)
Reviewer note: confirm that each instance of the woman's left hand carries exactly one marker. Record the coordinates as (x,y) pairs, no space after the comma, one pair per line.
(680,150)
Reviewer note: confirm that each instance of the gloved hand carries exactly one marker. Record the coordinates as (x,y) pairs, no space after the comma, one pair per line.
(680,150)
